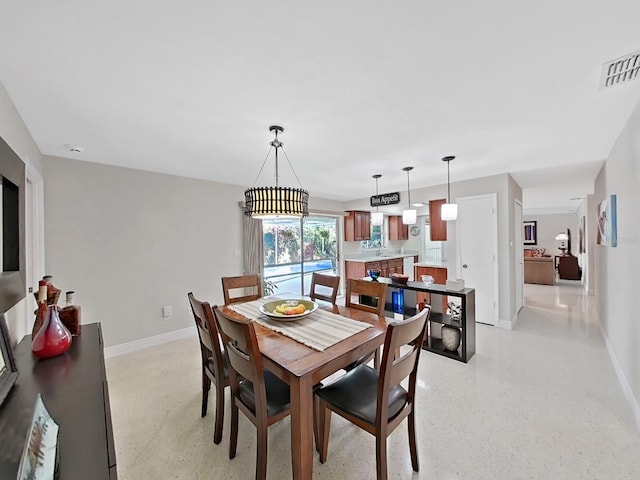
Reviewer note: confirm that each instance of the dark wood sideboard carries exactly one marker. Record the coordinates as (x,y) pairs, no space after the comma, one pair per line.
(74,390)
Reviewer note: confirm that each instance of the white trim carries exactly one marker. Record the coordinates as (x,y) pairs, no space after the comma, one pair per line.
(624,383)
(506,324)
(148,342)
(34,228)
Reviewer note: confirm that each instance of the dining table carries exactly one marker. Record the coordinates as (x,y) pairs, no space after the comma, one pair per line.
(303,367)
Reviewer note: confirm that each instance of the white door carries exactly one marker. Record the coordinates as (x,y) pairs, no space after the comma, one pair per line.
(477,240)
(519,254)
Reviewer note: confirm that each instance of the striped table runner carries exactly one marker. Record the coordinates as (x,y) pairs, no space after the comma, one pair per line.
(319,330)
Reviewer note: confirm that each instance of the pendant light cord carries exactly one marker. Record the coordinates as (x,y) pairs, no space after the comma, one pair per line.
(408,189)
(448,183)
(277,144)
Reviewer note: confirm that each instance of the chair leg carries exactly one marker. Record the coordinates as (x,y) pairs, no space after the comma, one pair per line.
(217,431)
(412,442)
(261,455)
(206,384)
(316,426)
(376,359)
(233,439)
(324,425)
(381,456)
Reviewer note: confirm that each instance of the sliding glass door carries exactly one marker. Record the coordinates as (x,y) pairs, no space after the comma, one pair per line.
(294,249)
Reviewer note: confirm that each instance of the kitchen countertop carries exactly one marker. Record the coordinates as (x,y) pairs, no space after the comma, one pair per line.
(431,264)
(378,258)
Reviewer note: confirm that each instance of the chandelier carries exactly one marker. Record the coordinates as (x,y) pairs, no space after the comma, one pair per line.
(276,201)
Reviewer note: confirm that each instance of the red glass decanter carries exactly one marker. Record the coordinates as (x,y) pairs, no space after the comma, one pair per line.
(53,338)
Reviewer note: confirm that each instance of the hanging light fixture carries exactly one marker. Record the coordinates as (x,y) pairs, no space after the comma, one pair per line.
(448,211)
(409,216)
(276,201)
(377,218)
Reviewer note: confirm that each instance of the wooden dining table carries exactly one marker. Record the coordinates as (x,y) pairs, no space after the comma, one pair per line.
(303,367)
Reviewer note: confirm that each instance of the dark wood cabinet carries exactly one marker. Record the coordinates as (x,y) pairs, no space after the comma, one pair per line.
(568,268)
(75,391)
(397,230)
(438,226)
(357,226)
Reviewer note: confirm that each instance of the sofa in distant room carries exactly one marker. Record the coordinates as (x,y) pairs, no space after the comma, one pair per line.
(538,267)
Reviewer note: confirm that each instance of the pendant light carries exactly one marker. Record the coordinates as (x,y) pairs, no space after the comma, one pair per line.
(377,218)
(276,201)
(448,211)
(409,216)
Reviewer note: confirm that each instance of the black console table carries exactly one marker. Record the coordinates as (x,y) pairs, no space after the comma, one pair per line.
(433,343)
(74,390)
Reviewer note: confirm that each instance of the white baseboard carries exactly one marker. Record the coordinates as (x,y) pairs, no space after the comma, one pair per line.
(506,324)
(143,343)
(624,383)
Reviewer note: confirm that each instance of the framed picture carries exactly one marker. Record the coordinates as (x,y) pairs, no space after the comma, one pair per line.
(8,369)
(607,222)
(530,235)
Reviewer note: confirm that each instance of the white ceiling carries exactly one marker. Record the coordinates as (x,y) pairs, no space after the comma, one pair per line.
(361,87)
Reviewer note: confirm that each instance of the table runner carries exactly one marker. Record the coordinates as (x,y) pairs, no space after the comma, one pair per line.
(319,331)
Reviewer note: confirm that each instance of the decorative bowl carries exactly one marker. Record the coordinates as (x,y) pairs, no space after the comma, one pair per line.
(374,274)
(399,278)
(270,309)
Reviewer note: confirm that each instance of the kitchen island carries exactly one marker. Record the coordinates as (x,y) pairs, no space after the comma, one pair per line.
(388,263)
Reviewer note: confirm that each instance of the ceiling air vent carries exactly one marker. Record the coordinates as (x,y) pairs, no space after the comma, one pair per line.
(620,70)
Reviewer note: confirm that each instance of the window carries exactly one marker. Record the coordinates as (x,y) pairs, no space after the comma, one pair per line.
(378,238)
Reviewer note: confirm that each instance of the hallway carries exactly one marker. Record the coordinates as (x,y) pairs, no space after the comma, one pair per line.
(539,402)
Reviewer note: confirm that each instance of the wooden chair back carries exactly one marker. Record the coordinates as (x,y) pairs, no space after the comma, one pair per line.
(207,331)
(214,368)
(376,291)
(241,344)
(328,281)
(395,368)
(251,284)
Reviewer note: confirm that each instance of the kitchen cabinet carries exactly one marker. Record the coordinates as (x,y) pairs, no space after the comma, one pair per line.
(438,226)
(357,226)
(439,275)
(397,230)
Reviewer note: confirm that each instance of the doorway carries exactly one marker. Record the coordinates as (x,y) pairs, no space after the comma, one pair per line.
(477,241)
(294,249)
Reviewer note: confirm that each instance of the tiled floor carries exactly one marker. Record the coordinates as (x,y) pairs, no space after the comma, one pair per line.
(539,402)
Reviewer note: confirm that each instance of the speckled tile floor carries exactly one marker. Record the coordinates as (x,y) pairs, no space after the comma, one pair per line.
(539,402)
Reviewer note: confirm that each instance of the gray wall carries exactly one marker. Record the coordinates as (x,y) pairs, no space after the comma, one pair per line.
(15,133)
(130,242)
(617,268)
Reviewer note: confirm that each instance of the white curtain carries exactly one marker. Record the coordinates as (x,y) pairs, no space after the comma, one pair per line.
(253,257)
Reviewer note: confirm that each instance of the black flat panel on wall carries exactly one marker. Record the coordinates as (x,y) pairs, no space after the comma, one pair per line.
(13,274)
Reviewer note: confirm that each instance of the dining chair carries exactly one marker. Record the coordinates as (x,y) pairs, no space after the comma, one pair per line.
(319,285)
(374,293)
(381,403)
(214,362)
(258,393)
(250,282)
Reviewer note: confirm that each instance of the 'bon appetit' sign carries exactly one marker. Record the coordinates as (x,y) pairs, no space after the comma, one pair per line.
(385,199)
